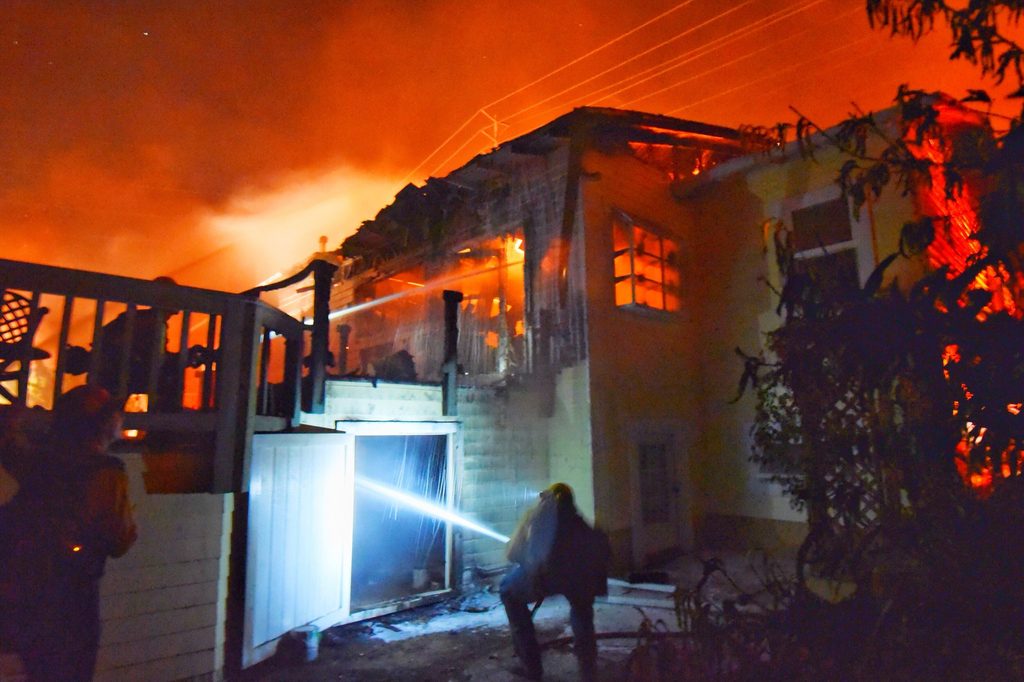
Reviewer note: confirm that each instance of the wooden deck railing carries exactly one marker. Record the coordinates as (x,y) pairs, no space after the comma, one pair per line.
(195,360)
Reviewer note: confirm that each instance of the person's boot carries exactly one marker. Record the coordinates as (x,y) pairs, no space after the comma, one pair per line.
(520,670)
(587,660)
(529,666)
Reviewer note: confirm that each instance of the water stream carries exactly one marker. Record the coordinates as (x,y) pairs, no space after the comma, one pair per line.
(427,507)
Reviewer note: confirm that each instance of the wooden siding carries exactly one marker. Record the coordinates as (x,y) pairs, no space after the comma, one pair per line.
(162,604)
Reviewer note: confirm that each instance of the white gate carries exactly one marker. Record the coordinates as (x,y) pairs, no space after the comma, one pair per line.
(300,536)
(302,507)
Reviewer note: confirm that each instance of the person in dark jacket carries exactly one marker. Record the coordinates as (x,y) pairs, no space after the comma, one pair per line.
(149,331)
(72,513)
(555,551)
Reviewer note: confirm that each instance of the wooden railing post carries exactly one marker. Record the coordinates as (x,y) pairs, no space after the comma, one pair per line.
(323,275)
(344,331)
(236,396)
(450,368)
(292,398)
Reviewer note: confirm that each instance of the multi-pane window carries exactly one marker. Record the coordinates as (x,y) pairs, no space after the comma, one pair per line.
(646,267)
(823,244)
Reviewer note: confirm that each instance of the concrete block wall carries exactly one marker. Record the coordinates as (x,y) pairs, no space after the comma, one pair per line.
(380,401)
(505,462)
(163,603)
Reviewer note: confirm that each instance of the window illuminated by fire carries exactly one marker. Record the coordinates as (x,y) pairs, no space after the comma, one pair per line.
(646,267)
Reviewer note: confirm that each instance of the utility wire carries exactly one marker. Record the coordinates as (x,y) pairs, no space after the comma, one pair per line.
(464,145)
(737,60)
(675,61)
(660,45)
(759,25)
(441,146)
(773,74)
(543,78)
(828,67)
(591,53)
(663,66)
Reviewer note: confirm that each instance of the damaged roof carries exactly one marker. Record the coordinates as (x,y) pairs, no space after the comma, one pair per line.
(421,217)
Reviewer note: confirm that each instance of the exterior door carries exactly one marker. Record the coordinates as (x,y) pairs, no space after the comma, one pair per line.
(299,559)
(659,499)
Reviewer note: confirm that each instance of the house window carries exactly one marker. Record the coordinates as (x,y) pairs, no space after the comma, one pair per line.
(646,267)
(824,246)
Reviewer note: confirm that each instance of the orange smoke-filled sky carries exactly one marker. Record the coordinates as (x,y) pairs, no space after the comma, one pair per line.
(216,142)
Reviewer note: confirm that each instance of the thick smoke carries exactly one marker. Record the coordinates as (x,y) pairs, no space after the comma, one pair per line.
(147,138)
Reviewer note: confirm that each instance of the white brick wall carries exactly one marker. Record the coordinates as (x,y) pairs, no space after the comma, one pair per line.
(505,464)
(162,604)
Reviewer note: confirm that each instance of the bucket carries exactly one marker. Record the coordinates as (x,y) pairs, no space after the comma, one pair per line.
(420,579)
(310,636)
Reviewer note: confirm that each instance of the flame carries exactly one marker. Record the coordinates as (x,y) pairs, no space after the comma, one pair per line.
(981,480)
(957,245)
(950,353)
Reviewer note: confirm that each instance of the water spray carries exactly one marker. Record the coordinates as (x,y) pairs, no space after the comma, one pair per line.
(427,507)
(430,286)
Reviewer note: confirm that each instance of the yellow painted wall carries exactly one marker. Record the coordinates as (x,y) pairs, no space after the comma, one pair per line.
(641,372)
(680,373)
(736,307)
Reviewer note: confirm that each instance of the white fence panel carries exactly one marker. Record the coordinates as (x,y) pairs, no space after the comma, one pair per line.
(300,536)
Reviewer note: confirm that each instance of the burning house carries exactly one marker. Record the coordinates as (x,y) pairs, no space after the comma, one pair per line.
(570,257)
(562,308)
(605,267)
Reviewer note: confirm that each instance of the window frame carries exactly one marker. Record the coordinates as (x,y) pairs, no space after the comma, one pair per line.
(861,242)
(622,219)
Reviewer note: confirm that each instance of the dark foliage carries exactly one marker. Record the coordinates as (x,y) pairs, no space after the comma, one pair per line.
(891,412)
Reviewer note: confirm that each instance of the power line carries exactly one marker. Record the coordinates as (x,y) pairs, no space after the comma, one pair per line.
(464,145)
(827,67)
(696,52)
(543,78)
(724,40)
(773,74)
(631,59)
(441,146)
(591,53)
(658,70)
(734,61)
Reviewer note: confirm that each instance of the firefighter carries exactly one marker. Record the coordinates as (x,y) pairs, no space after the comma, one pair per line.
(555,552)
(70,515)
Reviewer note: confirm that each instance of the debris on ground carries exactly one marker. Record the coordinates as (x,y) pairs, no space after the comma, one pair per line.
(466,638)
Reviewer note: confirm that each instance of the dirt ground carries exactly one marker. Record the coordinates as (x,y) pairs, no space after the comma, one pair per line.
(467,638)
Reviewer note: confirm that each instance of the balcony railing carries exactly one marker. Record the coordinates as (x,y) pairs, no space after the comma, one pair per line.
(186,360)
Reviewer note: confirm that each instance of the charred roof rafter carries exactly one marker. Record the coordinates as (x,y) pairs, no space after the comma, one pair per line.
(453,208)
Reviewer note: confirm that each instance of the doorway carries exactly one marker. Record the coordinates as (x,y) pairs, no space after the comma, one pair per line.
(398,552)
(324,548)
(660,515)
